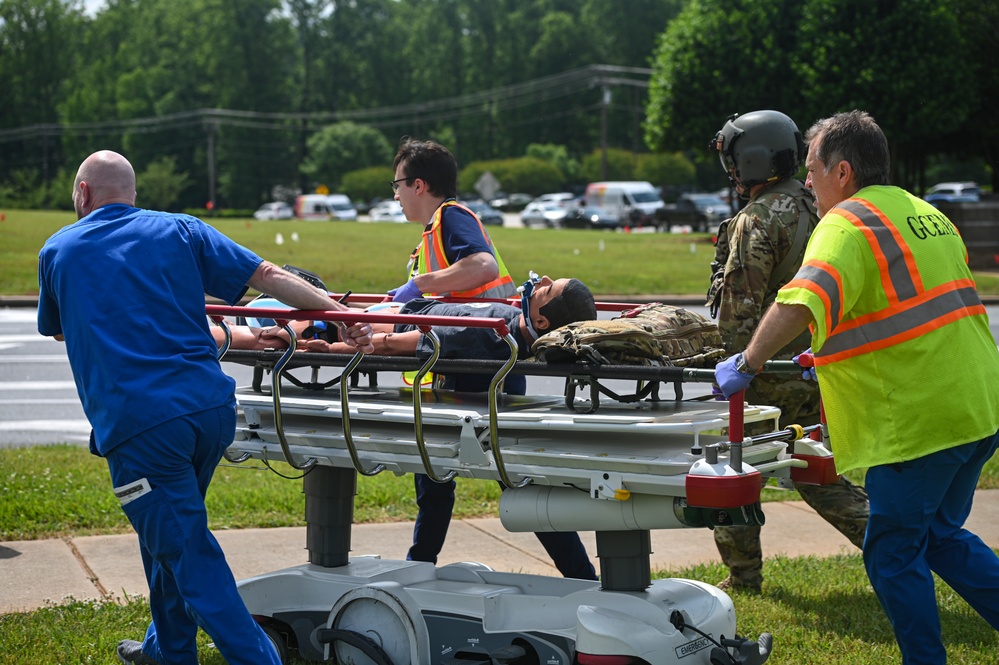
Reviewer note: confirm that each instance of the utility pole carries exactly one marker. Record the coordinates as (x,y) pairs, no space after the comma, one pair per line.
(210,126)
(605,102)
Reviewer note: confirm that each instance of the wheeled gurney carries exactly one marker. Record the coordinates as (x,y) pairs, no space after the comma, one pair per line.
(575,462)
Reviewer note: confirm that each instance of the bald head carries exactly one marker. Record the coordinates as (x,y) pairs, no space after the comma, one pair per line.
(104,178)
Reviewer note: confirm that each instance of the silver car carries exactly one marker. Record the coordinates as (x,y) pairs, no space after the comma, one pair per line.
(543,214)
(275,210)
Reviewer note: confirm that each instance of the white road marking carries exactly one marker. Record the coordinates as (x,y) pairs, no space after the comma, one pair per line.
(68,426)
(38,385)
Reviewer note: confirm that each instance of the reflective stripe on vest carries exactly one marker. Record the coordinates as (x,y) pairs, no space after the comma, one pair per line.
(430,257)
(912,310)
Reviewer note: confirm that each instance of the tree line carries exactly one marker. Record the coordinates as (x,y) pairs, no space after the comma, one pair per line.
(237,102)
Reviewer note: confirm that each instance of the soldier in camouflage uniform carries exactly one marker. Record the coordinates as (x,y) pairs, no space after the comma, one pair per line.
(758,251)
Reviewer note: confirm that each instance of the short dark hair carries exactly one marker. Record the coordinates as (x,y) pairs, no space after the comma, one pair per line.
(575,303)
(853,137)
(432,163)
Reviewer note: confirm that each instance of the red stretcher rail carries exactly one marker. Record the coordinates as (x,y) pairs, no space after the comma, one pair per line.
(367,299)
(423,322)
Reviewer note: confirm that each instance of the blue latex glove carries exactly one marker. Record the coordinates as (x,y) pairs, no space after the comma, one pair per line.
(406,292)
(729,379)
(809,372)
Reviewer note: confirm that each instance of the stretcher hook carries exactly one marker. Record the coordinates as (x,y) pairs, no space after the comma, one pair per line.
(345,411)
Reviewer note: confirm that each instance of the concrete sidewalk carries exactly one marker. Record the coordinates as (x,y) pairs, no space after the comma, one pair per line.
(35,573)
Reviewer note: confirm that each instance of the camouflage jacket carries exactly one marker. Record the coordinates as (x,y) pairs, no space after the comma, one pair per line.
(750,255)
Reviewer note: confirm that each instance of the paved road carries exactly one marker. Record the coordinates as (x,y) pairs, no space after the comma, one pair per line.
(39,404)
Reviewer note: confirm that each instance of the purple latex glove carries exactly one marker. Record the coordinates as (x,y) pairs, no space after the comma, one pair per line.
(729,379)
(808,365)
(406,292)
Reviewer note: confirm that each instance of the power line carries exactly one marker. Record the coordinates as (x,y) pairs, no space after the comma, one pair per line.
(503,98)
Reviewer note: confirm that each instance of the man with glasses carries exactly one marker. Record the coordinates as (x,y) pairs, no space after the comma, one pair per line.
(456,257)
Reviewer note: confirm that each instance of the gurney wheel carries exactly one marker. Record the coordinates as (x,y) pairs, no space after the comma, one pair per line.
(277,639)
(389,633)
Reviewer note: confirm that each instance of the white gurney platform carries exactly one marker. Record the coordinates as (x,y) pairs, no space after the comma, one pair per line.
(570,463)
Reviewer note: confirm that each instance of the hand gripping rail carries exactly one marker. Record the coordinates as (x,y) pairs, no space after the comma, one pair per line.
(425,324)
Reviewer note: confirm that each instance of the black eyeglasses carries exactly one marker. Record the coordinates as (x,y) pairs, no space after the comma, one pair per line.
(395,183)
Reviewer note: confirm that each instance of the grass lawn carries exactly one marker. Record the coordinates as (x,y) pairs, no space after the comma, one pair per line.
(820,610)
(371,258)
(54,491)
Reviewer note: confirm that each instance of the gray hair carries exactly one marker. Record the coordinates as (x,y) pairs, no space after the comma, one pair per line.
(852,137)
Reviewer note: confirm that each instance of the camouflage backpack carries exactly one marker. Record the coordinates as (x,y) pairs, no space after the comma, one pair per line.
(601,342)
(686,339)
(652,334)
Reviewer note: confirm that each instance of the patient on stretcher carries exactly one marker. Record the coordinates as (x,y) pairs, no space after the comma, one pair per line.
(552,304)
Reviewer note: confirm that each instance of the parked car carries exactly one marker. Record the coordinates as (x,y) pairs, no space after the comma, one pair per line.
(342,207)
(274,210)
(701,212)
(543,214)
(486,213)
(591,217)
(954,192)
(387,211)
(564,199)
(511,202)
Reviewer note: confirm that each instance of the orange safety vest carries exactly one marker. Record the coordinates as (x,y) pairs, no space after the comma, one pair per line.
(429,256)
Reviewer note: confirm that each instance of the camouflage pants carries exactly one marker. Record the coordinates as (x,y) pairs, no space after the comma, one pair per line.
(842,504)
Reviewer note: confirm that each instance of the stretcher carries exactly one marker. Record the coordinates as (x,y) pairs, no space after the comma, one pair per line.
(588,460)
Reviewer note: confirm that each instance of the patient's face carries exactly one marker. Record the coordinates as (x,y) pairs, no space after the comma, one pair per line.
(545,292)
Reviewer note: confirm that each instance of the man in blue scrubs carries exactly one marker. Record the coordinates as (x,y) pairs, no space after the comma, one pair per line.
(162,410)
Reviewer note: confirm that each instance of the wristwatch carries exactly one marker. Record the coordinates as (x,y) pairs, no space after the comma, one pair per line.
(743,366)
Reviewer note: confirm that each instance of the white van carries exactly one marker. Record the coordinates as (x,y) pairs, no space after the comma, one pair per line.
(342,207)
(312,207)
(633,202)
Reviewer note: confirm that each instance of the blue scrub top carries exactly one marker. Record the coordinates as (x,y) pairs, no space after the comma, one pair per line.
(126,287)
(462,235)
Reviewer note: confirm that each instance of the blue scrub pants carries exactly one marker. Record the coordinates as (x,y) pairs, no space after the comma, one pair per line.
(918,510)
(190,583)
(436,502)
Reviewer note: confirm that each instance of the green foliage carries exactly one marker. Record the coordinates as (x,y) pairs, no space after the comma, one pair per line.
(344,147)
(463,71)
(369,183)
(160,185)
(60,190)
(889,77)
(557,155)
(666,169)
(23,189)
(621,165)
(520,174)
(719,58)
